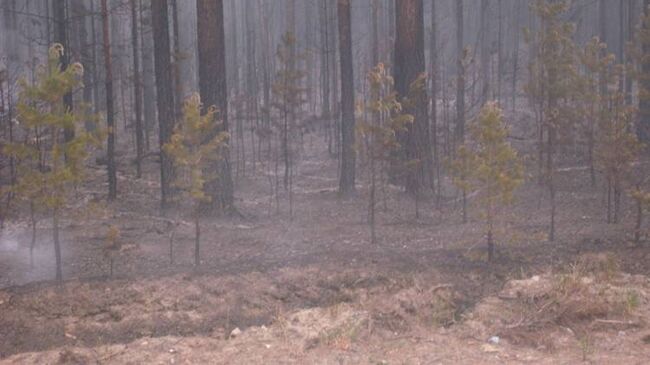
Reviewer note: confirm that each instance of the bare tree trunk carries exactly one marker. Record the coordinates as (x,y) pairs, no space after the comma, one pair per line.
(148,74)
(348,155)
(485,53)
(460,72)
(137,90)
(214,91)
(325,70)
(57,245)
(197,239)
(515,57)
(409,66)
(434,101)
(165,97)
(644,83)
(177,57)
(61,36)
(110,154)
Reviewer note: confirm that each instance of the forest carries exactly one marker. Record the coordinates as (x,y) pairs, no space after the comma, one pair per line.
(324,181)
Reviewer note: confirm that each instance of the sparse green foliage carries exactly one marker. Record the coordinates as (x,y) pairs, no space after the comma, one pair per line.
(552,88)
(378,136)
(48,166)
(641,73)
(618,148)
(192,155)
(461,169)
(642,199)
(490,164)
(289,97)
(591,102)
(112,245)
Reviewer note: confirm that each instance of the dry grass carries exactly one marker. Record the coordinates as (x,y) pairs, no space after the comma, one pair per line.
(590,296)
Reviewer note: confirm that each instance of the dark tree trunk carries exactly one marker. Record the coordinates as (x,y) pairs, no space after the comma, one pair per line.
(57,245)
(348,157)
(148,77)
(644,83)
(515,56)
(110,124)
(137,90)
(214,91)
(460,78)
(485,52)
(325,70)
(164,91)
(176,56)
(434,101)
(61,36)
(409,65)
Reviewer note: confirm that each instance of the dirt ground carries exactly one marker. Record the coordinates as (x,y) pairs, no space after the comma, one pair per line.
(312,289)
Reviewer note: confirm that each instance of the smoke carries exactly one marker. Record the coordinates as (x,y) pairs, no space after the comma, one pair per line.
(15,268)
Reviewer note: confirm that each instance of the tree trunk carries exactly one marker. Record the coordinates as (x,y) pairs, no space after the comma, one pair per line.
(148,74)
(460,74)
(644,84)
(57,245)
(348,157)
(409,65)
(197,239)
(61,36)
(178,84)
(434,101)
(110,124)
(325,70)
(639,220)
(515,56)
(137,90)
(485,53)
(214,91)
(165,96)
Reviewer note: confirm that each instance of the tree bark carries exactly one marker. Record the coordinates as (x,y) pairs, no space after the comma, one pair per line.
(214,91)
(348,158)
(434,101)
(409,65)
(61,36)
(165,96)
(644,83)
(460,74)
(110,124)
(137,90)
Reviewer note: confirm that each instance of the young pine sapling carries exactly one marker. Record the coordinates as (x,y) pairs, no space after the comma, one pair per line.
(193,153)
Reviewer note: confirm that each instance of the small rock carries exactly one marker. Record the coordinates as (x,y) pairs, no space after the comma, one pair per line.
(267,345)
(236,332)
(172,351)
(494,339)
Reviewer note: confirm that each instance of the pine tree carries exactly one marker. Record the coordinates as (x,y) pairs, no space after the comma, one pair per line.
(378,136)
(49,170)
(618,146)
(552,87)
(643,73)
(489,163)
(289,97)
(592,102)
(642,199)
(461,169)
(192,156)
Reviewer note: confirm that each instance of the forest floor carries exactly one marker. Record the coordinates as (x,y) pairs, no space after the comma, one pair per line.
(311,288)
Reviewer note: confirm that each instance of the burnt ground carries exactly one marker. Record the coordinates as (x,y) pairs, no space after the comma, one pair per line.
(263,264)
